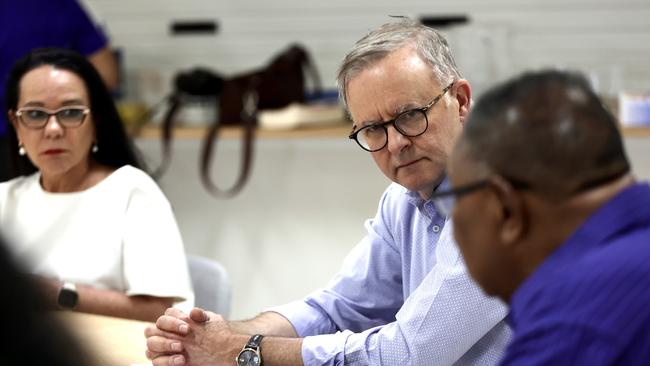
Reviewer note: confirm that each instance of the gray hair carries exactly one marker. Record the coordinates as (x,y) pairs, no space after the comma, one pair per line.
(430,45)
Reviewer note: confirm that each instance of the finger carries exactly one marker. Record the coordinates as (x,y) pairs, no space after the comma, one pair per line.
(155,332)
(164,345)
(199,315)
(152,330)
(175,360)
(171,324)
(153,355)
(176,313)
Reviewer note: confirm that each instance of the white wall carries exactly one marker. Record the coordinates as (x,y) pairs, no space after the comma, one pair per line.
(304,207)
(608,39)
(303,210)
(289,229)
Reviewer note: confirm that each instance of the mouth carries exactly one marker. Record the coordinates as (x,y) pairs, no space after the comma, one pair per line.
(53,152)
(408,164)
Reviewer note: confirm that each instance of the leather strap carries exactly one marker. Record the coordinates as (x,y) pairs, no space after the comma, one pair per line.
(255,341)
(174,101)
(209,145)
(246,159)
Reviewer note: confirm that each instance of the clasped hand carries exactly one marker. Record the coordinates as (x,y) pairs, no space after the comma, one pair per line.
(202,338)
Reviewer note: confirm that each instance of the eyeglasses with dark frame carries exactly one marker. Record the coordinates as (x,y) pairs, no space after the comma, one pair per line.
(445,200)
(37,117)
(411,123)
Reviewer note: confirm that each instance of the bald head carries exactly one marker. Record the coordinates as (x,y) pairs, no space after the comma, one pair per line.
(548,131)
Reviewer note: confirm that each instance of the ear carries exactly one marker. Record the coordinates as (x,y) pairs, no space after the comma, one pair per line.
(513,218)
(463,92)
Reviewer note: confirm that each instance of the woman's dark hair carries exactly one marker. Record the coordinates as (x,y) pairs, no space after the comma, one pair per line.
(115,148)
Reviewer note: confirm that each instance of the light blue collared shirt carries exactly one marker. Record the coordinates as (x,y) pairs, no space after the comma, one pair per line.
(402,297)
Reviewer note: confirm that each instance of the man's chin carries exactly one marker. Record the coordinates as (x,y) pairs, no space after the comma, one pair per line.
(423,185)
(423,189)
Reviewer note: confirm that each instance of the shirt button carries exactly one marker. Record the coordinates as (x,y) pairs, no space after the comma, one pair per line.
(436,228)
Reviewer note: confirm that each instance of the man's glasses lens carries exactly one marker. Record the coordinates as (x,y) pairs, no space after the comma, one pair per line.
(410,123)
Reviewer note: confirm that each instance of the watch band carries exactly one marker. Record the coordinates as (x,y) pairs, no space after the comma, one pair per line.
(251,354)
(255,341)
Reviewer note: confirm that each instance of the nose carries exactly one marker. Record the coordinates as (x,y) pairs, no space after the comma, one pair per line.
(396,141)
(53,127)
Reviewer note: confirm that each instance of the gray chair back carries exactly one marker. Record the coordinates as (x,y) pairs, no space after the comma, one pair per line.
(211,285)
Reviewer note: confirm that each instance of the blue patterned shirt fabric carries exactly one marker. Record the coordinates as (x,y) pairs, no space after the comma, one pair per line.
(402,297)
(588,303)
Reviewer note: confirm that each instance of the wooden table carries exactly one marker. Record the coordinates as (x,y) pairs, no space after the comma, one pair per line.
(113,341)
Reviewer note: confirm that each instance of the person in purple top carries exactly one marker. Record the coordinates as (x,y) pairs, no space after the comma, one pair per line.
(549,218)
(30,24)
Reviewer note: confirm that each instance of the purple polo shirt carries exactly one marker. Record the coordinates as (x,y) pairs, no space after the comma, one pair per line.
(588,303)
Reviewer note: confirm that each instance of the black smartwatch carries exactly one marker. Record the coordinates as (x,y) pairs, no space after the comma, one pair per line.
(251,354)
(68,296)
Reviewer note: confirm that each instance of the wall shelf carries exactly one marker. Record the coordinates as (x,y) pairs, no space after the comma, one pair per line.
(341,130)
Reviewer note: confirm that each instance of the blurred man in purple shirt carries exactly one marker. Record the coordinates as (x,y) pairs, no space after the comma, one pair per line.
(549,218)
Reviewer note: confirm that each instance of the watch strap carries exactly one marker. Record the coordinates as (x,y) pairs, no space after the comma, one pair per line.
(253,345)
(255,341)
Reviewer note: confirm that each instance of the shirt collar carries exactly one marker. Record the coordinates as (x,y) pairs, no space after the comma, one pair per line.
(426,207)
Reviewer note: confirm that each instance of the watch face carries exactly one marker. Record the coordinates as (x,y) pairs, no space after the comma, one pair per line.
(248,357)
(68,298)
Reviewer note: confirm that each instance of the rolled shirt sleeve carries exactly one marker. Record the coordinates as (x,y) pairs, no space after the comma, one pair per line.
(439,324)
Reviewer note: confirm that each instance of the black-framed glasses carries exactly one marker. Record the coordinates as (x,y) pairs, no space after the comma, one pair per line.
(411,123)
(37,117)
(445,200)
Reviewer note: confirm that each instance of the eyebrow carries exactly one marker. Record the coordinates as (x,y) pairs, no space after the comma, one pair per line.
(65,103)
(401,109)
(407,107)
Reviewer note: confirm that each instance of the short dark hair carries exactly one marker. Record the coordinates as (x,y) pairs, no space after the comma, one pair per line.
(547,129)
(115,148)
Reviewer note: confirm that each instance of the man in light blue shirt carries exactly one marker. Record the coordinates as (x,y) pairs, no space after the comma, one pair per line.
(403,295)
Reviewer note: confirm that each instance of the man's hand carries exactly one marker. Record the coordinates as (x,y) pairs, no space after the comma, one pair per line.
(202,338)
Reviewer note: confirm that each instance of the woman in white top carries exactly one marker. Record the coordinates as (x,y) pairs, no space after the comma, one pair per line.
(80,213)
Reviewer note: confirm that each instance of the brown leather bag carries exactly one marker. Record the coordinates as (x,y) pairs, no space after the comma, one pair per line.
(277,85)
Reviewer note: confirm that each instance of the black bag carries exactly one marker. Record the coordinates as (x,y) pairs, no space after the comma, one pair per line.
(200,82)
(239,98)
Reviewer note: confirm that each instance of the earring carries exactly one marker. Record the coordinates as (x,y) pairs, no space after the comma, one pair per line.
(95,148)
(21,150)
